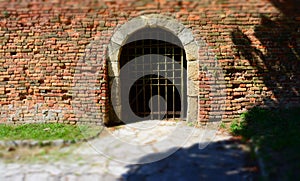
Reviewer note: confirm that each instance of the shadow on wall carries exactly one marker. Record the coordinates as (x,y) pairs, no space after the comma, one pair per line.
(279,63)
(223,160)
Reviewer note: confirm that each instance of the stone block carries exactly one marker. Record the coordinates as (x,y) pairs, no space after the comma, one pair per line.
(113,51)
(192,110)
(174,26)
(193,88)
(186,36)
(115,91)
(193,70)
(191,51)
(133,25)
(113,69)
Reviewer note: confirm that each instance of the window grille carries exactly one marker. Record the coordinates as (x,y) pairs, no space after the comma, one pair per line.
(156,41)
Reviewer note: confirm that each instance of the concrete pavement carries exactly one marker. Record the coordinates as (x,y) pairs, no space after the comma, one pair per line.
(151,150)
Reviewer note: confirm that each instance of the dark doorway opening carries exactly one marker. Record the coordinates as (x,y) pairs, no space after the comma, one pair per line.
(171,87)
(149,86)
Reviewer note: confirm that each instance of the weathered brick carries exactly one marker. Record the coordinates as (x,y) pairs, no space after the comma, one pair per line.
(43,55)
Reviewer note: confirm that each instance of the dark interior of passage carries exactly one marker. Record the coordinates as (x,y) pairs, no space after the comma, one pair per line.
(171,87)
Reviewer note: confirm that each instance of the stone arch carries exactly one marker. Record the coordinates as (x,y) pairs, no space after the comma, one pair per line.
(190,46)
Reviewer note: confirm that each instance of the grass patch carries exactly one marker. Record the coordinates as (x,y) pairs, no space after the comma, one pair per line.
(223,125)
(47,131)
(275,133)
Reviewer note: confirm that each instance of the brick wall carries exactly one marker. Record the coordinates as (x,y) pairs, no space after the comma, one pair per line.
(45,45)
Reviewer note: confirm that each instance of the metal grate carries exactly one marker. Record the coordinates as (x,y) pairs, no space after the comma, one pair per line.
(156,41)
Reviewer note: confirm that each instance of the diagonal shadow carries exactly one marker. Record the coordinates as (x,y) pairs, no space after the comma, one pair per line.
(222,160)
(279,64)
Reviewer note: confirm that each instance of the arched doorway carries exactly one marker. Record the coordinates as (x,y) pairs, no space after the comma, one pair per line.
(170,81)
(182,37)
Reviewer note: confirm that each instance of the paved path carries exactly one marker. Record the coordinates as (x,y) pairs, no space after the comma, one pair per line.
(142,151)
